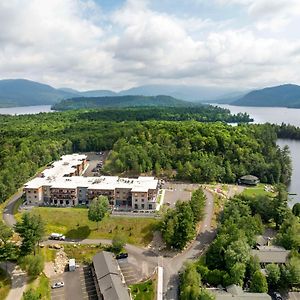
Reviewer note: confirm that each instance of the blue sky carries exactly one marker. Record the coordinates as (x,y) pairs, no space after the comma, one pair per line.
(117,44)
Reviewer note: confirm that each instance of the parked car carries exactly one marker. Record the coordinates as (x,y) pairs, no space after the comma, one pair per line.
(58,284)
(57,236)
(122,255)
(277,296)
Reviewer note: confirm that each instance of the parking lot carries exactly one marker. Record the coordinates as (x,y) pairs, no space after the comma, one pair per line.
(87,284)
(78,285)
(59,293)
(128,271)
(178,191)
(95,158)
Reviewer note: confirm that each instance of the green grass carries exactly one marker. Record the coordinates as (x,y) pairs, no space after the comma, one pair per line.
(143,291)
(74,223)
(5,284)
(48,254)
(258,190)
(17,204)
(82,253)
(41,286)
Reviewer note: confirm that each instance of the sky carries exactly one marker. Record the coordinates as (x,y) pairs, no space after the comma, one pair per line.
(118,44)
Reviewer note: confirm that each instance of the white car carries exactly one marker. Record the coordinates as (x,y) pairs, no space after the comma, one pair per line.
(57,285)
(57,236)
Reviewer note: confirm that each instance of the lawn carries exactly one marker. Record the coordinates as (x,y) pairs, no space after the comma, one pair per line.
(74,223)
(41,287)
(48,254)
(143,291)
(258,190)
(5,284)
(82,253)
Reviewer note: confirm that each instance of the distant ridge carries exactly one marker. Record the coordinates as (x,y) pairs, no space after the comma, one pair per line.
(287,95)
(120,101)
(22,92)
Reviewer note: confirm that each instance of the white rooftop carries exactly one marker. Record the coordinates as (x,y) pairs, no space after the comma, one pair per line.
(66,165)
(54,177)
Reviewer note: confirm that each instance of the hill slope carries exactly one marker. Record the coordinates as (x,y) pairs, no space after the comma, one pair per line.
(119,101)
(287,95)
(22,92)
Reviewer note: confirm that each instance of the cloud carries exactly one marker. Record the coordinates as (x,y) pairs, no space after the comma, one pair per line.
(76,43)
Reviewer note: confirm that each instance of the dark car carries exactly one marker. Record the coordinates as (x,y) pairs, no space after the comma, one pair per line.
(122,255)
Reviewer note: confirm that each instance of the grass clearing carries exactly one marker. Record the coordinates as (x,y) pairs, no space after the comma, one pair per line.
(74,224)
(143,291)
(259,190)
(219,203)
(48,254)
(41,287)
(5,284)
(82,253)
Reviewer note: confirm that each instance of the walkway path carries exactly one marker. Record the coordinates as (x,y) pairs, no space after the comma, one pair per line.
(19,281)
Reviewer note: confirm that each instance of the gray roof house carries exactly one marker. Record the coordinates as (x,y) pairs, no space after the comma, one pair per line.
(108,278)
(271,254)
(235,292)
(249,180)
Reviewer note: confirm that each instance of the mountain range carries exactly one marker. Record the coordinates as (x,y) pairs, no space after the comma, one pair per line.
(22,92)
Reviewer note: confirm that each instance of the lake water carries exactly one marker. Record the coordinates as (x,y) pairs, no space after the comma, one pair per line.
(25,110)
(278,115)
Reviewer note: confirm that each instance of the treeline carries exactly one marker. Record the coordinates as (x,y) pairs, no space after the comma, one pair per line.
(178,226)
(200,113)
(228,259)
(186,150)
(201,152)
(287,131)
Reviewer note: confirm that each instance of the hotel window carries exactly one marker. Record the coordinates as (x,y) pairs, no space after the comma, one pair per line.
(142,200)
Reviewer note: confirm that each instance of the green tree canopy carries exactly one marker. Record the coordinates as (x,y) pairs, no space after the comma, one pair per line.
(98,209)
(258,283)
(31,229)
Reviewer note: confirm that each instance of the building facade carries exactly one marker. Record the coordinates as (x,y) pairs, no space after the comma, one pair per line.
(62,185)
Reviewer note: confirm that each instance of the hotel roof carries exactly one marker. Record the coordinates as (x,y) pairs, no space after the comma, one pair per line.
(55,178)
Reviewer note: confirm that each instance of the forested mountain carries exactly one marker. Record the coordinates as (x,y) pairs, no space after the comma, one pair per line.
(184,150)
(21,92)
(119,101)
(287,95)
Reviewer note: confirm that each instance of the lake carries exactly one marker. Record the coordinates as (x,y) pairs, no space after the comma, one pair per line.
(278,115)
(25,110)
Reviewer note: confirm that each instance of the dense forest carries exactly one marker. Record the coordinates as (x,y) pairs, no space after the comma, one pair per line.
(186,150)
(120,101)
(201,113)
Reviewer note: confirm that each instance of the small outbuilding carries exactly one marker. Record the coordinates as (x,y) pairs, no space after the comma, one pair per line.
(248,180)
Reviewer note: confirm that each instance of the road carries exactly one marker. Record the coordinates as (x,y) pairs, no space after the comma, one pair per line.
(173,265)
(8,213)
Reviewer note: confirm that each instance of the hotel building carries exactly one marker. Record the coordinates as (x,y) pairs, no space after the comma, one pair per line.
(63,185)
